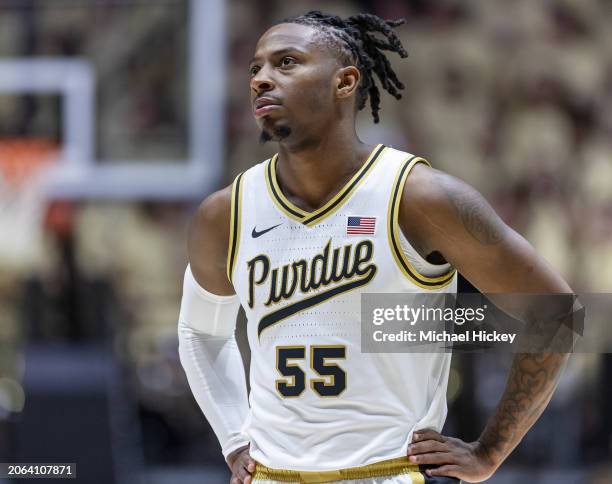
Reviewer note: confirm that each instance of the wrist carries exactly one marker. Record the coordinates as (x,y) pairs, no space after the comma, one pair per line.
(233,455)
(490,458)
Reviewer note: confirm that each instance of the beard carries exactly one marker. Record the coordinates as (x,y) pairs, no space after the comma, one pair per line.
(279,133)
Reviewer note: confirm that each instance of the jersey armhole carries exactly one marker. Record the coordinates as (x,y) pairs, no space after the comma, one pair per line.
(235,224)
(393,231)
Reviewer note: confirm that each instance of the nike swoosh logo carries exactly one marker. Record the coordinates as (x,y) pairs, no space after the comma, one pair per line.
(256,234)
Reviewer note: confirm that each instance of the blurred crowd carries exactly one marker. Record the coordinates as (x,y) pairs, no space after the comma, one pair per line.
(515,97)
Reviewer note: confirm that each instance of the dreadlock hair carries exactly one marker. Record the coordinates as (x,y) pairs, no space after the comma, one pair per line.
(354,40)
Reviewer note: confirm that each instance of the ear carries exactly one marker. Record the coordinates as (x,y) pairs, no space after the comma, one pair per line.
(347,81)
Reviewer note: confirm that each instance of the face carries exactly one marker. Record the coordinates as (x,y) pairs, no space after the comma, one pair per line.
(293,79)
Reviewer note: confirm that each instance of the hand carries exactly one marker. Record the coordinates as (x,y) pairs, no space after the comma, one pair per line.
(242,466)
(454,457)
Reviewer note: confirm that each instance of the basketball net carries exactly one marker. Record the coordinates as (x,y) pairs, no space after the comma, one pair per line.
(22,201)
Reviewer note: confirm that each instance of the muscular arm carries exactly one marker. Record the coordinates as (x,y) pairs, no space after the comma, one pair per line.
(208,241)
(440,213)
(207,347)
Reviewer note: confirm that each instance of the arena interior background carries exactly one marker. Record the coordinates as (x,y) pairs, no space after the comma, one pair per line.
(118,116)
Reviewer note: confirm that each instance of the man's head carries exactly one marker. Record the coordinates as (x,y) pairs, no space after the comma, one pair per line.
(313,70)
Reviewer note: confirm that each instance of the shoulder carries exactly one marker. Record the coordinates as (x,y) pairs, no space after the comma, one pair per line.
(440,204)
(214,211)
(209,231)
(428,187)
(208,241)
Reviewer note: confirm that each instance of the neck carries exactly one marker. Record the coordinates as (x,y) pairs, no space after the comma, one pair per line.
(312,172)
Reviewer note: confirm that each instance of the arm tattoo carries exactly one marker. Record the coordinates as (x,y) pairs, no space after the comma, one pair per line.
(478,218)
(532,380)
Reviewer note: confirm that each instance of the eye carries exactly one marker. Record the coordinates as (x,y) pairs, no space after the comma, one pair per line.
(287,61)
(253,70)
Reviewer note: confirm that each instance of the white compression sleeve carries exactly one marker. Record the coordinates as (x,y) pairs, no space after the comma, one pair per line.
(212,362)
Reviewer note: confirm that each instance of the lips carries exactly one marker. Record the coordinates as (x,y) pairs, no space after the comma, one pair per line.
(264,105)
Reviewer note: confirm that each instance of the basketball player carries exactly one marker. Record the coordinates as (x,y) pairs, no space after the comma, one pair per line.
(296,239)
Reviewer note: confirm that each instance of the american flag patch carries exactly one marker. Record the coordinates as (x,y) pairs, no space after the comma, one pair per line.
(361,226)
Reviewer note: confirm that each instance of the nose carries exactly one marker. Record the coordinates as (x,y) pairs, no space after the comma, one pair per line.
(261,82)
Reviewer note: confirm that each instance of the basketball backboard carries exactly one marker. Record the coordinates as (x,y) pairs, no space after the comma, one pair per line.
(78,174)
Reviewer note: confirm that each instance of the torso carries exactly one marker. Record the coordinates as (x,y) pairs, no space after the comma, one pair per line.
(318,402)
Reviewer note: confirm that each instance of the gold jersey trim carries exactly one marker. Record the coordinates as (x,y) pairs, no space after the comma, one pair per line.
(312,218)
(393,467)
(235,224)
(403,262)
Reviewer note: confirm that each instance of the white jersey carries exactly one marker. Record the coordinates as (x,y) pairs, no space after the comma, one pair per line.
(317,402)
